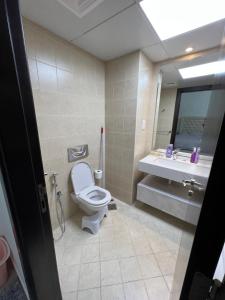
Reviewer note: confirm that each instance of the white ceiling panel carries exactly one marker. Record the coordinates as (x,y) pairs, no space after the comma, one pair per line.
(58,19)
(124,33)
(156,52)
(115,28)
(203,38)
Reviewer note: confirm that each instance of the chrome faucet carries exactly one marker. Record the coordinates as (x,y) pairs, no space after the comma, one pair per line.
(192,184)
(174,153)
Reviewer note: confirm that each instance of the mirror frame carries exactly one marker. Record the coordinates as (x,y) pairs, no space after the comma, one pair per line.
(178,100)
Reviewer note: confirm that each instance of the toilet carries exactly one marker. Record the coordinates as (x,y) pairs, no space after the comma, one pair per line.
(92,199)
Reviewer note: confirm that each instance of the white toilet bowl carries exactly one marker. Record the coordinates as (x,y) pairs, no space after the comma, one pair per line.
(91,199)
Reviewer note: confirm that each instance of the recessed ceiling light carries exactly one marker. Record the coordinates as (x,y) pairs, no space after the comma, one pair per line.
(216,67)
(189,49)
(174,17)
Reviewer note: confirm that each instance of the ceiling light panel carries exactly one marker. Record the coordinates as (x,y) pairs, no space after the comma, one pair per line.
(217,67)
(174,17)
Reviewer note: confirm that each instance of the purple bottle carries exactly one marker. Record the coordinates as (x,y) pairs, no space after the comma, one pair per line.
(193,155)
(169,151)
(197,155)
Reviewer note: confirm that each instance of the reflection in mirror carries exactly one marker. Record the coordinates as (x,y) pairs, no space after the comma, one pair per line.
(197,118)
(190,111)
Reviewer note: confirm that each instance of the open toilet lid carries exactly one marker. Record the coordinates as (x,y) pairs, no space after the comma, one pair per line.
(82,177)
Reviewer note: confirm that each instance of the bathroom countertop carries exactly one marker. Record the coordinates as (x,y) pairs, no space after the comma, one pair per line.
(177,170)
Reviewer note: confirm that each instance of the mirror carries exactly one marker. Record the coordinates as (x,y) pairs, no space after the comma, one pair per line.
(189,111)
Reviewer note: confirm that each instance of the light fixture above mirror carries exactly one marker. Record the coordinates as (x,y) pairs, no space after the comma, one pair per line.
(216,67)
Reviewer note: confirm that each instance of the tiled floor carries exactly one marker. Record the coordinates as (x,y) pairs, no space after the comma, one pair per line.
(133,256)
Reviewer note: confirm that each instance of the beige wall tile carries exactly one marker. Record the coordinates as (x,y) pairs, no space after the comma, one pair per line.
(130,98)
(33,74)
(45,48)
(121,101)
(74,95)
(65,81)
(69,97)
(47,77)
(146,101)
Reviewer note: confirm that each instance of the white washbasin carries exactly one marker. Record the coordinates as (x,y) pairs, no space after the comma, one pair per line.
(177,170)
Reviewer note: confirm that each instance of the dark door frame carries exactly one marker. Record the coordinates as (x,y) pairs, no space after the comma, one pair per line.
(21,162)
(180,91)
(210,232)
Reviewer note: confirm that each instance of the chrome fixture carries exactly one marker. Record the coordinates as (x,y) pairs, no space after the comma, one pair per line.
(54,182)
(192,184)
(57,197)
(78,152)
(174,153)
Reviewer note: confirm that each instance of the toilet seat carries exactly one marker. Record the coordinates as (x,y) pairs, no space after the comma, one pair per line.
(85,188)
(92,199)
(95,196)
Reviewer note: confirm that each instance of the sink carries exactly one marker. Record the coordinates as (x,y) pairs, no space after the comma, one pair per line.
(167,163)
(176,170)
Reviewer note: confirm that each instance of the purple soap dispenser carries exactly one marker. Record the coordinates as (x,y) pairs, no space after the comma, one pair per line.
(169,151)
(193,155)
(197,155)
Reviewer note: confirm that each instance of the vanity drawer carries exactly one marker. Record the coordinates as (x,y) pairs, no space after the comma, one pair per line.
(171,198)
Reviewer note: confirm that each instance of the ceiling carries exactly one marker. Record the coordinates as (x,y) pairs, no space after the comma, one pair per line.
(117,27)
(170,70)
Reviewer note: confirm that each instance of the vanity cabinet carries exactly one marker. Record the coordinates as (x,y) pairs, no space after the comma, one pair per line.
(170,197)
(163,189)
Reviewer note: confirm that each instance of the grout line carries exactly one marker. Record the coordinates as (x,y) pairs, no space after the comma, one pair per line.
(166,281)
(102,22)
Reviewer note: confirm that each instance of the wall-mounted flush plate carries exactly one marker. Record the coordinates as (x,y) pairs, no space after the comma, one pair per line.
(78,152)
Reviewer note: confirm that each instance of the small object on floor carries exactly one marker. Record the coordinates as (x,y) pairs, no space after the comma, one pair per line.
(13,289)
(112,205)
(93,222)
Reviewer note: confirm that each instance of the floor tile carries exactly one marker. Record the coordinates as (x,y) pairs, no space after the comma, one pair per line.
(157,289)
(110,272)
(89,276)
(69,276)
(157,243)
(137,234)
(91,294)
(89,238)
(106,234)
(59,252)
(135,291)
(134,246)
(72,239)
(70,296)
(122,237)
(148,265)
(90,253)
(113,292)
(72,255)
(169,281)
(141,246)
(124,249)
(130,269)
(167,262)
(108,251)
(107,221)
